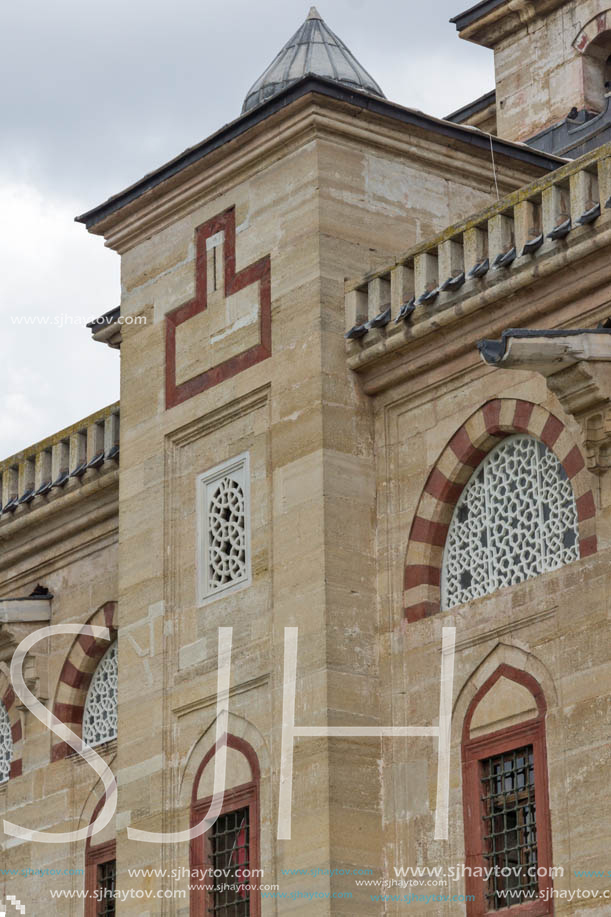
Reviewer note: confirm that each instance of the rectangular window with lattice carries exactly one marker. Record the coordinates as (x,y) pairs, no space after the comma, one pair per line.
(510,832)
(508,844)
(106,873)
(229,851)
(223,513)
(100,880)
(227,857)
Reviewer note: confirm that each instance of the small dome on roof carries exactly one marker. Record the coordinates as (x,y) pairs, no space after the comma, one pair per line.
(314,49)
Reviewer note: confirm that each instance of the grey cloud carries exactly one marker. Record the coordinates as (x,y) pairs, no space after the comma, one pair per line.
(93,95)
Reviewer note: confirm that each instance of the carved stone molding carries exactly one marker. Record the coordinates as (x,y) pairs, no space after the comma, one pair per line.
(577,368)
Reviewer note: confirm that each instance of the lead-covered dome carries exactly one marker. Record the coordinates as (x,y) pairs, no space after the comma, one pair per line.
(315,49)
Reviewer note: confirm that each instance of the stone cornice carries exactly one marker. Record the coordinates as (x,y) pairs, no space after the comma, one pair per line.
(526,256)
(308,117)
(54,523)
(577,368)
(451,332)
(496,21)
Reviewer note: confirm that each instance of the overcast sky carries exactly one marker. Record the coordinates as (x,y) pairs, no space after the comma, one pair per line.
(95,94)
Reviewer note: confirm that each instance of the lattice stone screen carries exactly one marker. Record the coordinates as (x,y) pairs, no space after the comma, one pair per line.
(100,713)
(223,501)
(516,518)
(6,744)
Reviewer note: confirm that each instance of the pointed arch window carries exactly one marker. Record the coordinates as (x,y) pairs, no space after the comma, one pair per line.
(516,518)
(232,843)
(508,841)
(6,744)
(100,711)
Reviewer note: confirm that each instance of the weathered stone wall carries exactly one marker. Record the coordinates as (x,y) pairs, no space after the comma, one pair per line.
(323,192)
(321,208)
(549,63)
(73,552)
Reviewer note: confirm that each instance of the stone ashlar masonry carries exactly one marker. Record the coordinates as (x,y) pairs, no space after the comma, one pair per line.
(549,56)
(59,530)
(340,452)
(538,259)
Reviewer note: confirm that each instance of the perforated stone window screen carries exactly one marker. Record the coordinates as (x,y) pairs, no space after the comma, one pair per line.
(223,500)
(516,518)
(6,744)
(100,713)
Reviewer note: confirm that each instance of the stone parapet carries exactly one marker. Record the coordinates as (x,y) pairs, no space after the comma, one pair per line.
(54,467)
(553,222)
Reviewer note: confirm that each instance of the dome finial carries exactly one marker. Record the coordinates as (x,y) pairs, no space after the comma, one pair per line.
(313,50)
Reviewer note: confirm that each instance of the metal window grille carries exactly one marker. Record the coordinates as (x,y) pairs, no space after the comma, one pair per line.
(229,840)
(105,886)
(515,519)
(510,833)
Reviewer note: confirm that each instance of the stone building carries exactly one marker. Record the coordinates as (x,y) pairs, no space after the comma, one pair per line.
(365,393)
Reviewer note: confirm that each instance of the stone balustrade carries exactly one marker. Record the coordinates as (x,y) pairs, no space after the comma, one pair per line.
(415,294)
(60,463)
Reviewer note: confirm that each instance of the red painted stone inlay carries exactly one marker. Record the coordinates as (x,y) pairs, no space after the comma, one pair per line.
(588,546)
(551,431)
(522,415)
(109,614)
(464,450)
(421,610)
(74,677)
(427,532)
(439,487)
(60,751)
(419,574)
(573,463)
(69,713)
(259,271)
(492,416)
(586,507)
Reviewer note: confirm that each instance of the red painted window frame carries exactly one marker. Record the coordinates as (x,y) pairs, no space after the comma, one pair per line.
(474,751)
(94,857)
(239,797)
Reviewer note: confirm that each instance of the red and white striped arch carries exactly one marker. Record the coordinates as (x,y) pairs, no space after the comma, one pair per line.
(470,444)
(76,675)
(9,699)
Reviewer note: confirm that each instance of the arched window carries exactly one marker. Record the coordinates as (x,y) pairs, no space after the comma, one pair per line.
(515,518)
(101,869)
(597,70)
(100,711)
(505,797)
(232,843)
(6,744)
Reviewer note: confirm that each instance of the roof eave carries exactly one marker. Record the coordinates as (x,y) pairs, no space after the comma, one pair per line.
(330,89)
(472,108)
(466,18)
(490,21)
